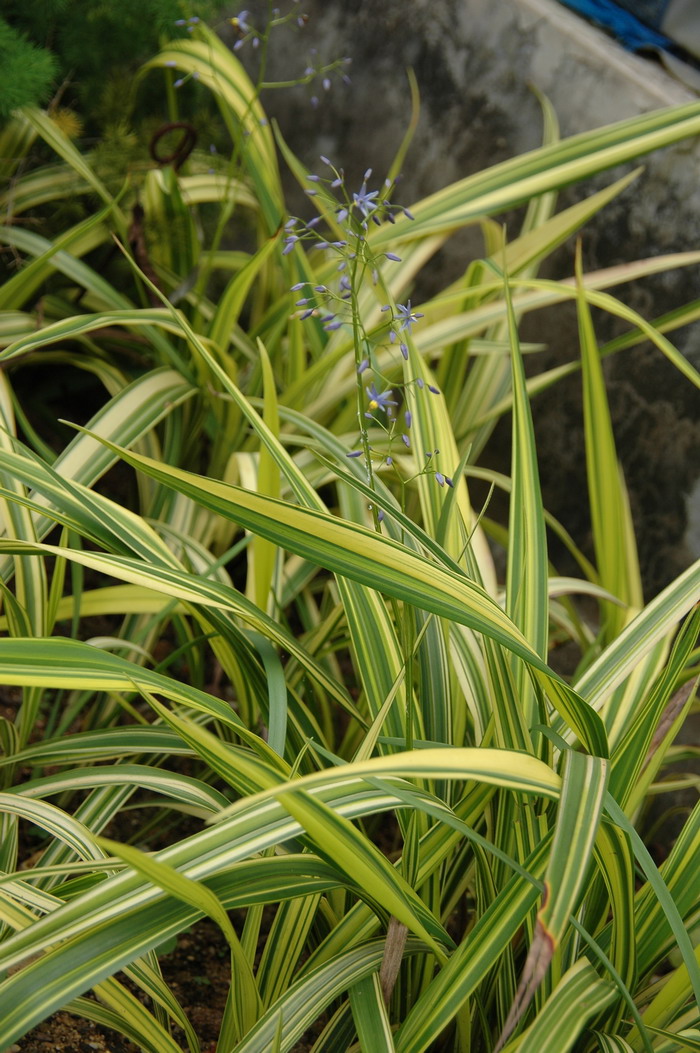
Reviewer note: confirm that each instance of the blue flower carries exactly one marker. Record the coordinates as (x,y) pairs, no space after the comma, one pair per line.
(380,399)
(241,23)
(407,316)
(364,201)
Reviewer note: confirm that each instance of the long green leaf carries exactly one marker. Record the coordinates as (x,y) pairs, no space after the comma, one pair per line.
(362,555)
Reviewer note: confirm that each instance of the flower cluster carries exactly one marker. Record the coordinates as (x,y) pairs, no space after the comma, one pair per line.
(348,215)
(406,318)
(316,71)
(354,211)
(245,29)
(187,23)
(382,407)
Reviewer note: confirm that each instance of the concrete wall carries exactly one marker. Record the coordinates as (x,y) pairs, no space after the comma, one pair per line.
(474,60)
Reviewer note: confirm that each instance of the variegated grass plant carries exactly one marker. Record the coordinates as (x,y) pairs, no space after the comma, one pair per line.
(429,839)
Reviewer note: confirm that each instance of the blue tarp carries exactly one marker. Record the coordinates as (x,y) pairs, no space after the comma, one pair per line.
(632,33)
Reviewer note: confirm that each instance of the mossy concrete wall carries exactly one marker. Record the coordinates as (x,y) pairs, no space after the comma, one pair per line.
(475,61)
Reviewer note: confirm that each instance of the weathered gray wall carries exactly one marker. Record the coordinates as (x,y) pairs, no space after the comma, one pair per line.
(474,60)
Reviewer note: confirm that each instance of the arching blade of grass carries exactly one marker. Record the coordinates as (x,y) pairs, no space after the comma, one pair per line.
(362,555)
(56,138)
(656,621)
(99,745)
(198,591)
(57,663)
(62,255)
(84,324)
(259,822)
(121,918)
(194,793)
(338,841)
(549,167)
(246,1005)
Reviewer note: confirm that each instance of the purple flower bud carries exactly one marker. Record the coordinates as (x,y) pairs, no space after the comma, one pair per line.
(380,515)
(326,84)
(367,174)
(420,383)
(313,222)
(342,214)
(332,325)
(355,453)
(364,364)
(404,351)
(314,102)
(306,314)
(406,441)
(178,83)
(440,478)
(313,178)
(408,417)
(326,161)
(391,256)
(449,481)
(311,192)
(389,461)
(303,302)
(435,391)
(320,288)
(299,285)
(407,214)
(386,307)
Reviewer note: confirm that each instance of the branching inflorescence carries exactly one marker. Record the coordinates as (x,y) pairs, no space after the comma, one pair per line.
(348,217)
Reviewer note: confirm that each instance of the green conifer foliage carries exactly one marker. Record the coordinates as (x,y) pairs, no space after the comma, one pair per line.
(86,51)
(28,71)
